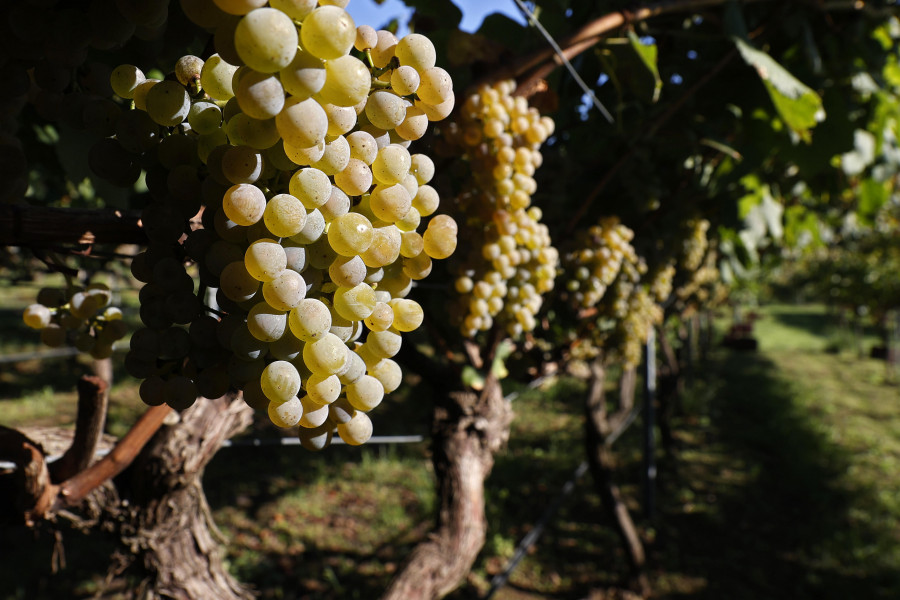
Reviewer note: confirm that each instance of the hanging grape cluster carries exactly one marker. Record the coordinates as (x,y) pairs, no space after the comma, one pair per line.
(598,257)
(80,317)
(280,177)
(511,261)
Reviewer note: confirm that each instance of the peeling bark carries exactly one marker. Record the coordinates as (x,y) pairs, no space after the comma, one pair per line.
(468,430)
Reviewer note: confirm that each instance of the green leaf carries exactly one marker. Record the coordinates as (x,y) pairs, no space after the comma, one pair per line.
(472,378)
(798,105)
(647,53)
(872,196)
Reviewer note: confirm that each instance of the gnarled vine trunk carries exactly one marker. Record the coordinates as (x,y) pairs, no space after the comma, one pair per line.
(166,523)
(469,428)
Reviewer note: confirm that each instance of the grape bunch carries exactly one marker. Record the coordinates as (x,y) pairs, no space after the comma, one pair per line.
(512,261)
(79,317)
(288,220)
(694,245)
(599,255)
(662,282)
(700,288)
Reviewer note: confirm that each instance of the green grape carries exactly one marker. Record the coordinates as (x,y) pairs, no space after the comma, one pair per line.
(305,76)
(381,318)
(323,389)
(328,32)
(408,314)
(124,79)
(265,322)
(388,372)
(383,344)
(304,157)
(338,204)
(414,124)
(242,165)
(439,239)
(357,431)
(391,164)
(266,40)
(236,282)
(280,381)
(347,271)
(314,415)
(353,369)
(302,123)
(436,112)
(213,382)
(244,204)
(265,259)
(168,103)
(287,347)
(366,38)
(355,179)
(295,9)
(227,229)
(390,203)
(356,303)
(405,80)
(312,230)
(326,355)
(347,81)
(341,119)
(365,393)
(285,291)
(422,167)
(384,48)
(385,109)
(256,133)
(139,95)
(317,438)
(53,335)
(181,392)
(284,215)
(385,247)
(410,221)
(188,69)
(153,391)
(416,51)
(239,7)
(350,234)
(335,157)
(311,186)
(216,77)
(310,320)
(260,95)
(286,414)
(37,316)
(363,146)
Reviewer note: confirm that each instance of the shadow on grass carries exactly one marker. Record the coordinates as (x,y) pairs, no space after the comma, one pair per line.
(762,511)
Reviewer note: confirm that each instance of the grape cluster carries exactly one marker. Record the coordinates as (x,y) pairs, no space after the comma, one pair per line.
(281,180)
(80,317)
(599,255)
(511,263)
(695,244)
(662,282)
(701,285)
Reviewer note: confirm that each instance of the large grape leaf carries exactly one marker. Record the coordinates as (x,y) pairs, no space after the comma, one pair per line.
(799,106)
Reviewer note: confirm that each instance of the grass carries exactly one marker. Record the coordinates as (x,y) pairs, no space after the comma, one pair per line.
(783,485)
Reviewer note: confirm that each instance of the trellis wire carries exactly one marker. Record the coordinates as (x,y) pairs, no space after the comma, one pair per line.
(584,87)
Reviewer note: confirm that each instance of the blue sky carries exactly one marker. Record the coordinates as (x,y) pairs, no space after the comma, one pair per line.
(366,12)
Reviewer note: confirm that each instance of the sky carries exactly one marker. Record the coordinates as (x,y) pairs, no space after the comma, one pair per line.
(366,12)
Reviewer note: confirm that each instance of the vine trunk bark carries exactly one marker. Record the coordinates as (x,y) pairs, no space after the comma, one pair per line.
(469,428)
(599,427)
